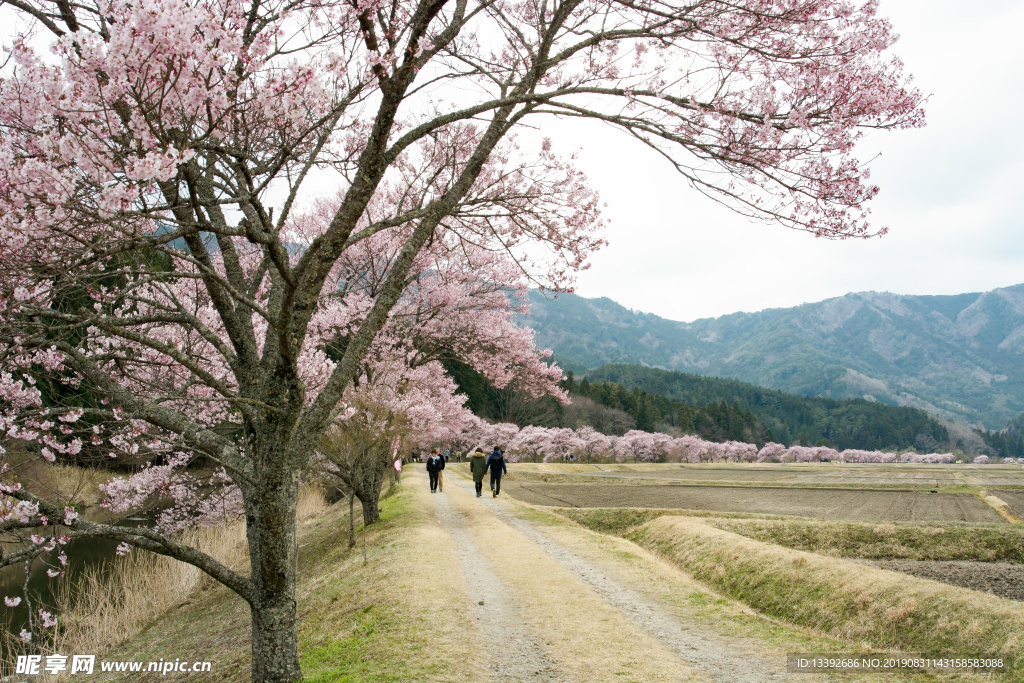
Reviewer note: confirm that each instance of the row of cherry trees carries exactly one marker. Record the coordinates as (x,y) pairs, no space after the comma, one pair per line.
(543,444)
(220,219)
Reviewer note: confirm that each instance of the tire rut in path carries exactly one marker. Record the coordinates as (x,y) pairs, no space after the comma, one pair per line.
(714,655)
(514,653)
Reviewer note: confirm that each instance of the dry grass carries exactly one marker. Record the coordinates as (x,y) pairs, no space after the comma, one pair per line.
(112,603)
(975,542)
(65,483)
(620,521)
(1002,507)
(862,540)
(312,503)
(857,604)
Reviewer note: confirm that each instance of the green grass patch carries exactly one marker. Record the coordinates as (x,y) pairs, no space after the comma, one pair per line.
(354,657)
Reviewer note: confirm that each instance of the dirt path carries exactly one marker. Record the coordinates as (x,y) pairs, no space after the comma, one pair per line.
(560,616)
(519,655)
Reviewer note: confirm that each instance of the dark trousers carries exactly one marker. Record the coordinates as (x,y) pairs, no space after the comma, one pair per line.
(496,481)
(433,480)
(479,486)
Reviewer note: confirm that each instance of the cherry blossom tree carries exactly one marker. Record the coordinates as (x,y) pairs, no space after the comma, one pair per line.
(738,451)
(688,448)
(500,434)
(562,442)
(861,456)
(928,458)
(643,446)
(770,452)
(593,443)
(167,248)
(529,443)
(468,433)
(394,409)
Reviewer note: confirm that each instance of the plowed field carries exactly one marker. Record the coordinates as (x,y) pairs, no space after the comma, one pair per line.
(1015,499)
(839,504)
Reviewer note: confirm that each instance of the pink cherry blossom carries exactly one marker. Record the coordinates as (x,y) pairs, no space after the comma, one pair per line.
(166,248)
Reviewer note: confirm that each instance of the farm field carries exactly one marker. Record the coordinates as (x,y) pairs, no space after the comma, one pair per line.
(807,474)
(822,503)
(1015,499)
(998,578)
(931,522)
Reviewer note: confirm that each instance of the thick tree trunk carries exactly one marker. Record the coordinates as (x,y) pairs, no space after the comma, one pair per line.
(371,509)
(271,531)
(275,652)
(368,490)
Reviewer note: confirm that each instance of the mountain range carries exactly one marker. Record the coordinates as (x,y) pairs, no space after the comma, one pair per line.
(960,357)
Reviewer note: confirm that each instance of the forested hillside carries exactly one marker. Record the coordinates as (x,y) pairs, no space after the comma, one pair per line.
(1009,442)
(615,399)
(956,356)
(701,405)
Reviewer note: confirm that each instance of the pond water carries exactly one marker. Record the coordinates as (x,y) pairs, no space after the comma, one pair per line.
(84,554)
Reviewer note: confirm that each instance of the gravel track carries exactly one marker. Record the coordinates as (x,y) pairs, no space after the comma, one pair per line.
(517,654)
(715,656)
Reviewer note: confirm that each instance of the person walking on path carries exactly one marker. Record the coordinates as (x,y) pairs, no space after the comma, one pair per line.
(496,463)
(478,467)
(433,469)
(441,460)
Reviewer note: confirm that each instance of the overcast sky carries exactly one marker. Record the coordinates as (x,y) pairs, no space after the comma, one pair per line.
(952,193)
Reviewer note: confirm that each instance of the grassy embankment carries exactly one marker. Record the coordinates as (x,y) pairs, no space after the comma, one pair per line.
(862,606)
(361,611)
(861,540)
(360,615)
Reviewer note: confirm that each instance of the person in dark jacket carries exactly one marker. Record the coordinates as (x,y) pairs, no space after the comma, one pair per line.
(496,463)
(434,465)
(478,467)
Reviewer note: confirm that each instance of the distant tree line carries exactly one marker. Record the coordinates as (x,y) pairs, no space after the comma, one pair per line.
(1009,442)
(616,398)
(716,421)
(720,410)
